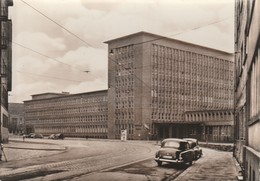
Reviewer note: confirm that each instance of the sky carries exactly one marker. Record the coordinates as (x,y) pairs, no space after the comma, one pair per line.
(56,41)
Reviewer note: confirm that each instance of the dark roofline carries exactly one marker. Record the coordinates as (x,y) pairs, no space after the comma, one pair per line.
(55,93)
(67,95)
(164,37)
(15,103)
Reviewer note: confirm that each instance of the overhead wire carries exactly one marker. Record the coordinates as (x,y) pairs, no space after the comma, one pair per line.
(50,58)
(70,32)
(67,30)
(48,76)
(164,37)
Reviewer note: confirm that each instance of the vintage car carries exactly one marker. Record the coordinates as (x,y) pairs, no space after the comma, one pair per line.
(30,135)
(195,146)
(34,135)
(56,136)
(174,150)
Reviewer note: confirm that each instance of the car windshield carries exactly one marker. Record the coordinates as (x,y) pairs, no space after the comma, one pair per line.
(171,144)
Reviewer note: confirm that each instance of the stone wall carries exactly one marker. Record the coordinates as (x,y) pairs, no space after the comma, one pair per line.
(216,146)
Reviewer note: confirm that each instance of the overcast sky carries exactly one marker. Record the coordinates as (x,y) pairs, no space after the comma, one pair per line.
(46,58)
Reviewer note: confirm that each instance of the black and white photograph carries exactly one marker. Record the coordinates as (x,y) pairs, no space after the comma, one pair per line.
(129,90)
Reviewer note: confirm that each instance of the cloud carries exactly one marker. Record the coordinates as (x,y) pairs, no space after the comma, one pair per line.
(40,42)
(96,21)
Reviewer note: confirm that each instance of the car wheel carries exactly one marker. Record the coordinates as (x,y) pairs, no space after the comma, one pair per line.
(196,157)
(159,163)
(190,163)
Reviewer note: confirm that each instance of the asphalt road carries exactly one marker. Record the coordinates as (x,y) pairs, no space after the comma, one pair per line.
(146,170)
(88,160)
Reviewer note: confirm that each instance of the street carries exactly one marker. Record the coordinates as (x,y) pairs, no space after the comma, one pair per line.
(142,171)
(95,160)
(78,159)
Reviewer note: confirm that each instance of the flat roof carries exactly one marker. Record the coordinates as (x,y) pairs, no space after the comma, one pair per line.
(66,95)
(159,37)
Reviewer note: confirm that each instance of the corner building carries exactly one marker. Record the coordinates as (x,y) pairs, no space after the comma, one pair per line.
(74,115)
(160,87)
(5,66)
(247,87)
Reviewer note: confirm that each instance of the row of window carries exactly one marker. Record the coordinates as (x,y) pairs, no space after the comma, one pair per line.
(75,119)
(50,112)
(66,102)
(168,53)
(188,67)
(72,129)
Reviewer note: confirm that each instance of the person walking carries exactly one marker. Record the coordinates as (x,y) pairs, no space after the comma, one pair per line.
(1,150)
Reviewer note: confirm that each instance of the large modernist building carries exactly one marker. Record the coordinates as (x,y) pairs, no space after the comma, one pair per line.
(161,87)
(75,115)
(5,66)
(247,87)
(158,87)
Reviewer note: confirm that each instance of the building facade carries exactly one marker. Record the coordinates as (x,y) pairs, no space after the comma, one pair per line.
(74,115)
(247,87)
(5,66)
(16,118)
(161,87)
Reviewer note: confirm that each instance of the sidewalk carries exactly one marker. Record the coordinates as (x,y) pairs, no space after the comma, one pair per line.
(18,150)
(214,165)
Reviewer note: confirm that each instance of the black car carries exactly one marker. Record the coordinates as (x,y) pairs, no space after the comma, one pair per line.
(56,136)
(30,135)
(195,146)
(174,150)
(34,135)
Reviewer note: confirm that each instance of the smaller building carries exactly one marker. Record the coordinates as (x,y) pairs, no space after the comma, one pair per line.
(5,65)
(16,118)
(74,115)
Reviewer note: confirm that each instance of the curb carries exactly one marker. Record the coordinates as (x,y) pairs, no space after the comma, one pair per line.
(37,143)
(46,149)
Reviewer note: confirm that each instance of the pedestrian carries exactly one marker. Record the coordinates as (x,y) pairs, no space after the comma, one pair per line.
(1,150)
(23,137)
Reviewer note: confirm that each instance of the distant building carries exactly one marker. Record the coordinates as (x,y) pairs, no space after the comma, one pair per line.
(247,87)
(74,115)
(16,118)
(5,65)
(161,87)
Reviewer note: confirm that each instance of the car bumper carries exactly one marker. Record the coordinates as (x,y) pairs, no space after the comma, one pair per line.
(168,160)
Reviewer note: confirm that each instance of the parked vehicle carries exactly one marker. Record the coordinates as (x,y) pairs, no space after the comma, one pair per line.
(56,136)
(30,135)
(59,136)
(51,136)
(195,146)
(174,150)
(34,135)
(37,135)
